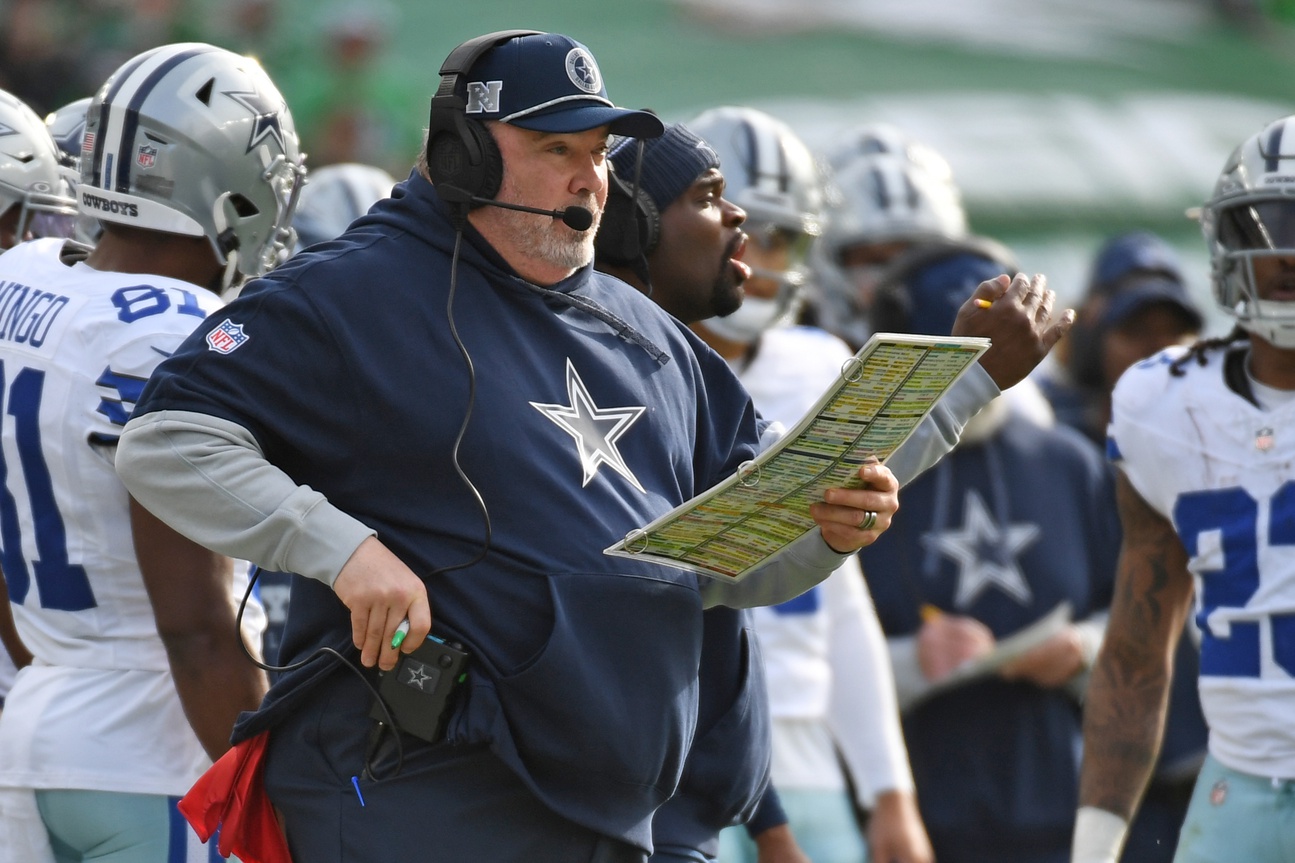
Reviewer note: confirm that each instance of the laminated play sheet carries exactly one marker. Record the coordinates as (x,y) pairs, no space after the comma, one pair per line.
(881,396)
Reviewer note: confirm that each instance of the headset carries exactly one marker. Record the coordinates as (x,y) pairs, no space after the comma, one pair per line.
(463,159)
(631,225)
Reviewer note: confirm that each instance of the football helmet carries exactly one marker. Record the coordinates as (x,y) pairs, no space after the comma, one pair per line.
(67,127)
(1251,215)
(771,174)
(31,177)
(195,140)
(336,195)
(883,188)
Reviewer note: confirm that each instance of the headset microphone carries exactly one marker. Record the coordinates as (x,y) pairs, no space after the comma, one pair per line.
(575,218)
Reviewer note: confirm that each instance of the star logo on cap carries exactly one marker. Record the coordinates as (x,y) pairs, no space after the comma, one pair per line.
(595,429)
(583,71)
(266,113)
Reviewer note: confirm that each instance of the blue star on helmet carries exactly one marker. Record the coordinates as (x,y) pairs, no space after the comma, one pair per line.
(267,116)
(595,429)
(6,129)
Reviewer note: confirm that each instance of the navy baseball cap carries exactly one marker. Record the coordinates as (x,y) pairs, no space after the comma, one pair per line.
(548,82)
(1136,270)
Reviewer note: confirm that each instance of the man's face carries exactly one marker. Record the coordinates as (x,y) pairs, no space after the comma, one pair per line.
(1275,278)
(697,269)
(1147,331)
(551,171)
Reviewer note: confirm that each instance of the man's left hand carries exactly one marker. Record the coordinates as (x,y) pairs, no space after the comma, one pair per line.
(852,518)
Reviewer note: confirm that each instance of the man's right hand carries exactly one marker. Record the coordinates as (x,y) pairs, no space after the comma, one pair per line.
(1018,322)
(381,591)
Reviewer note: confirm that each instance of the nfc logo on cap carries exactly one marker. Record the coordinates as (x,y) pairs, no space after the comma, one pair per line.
(483,97)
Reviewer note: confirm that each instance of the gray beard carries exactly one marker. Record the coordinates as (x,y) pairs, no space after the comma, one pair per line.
(550,240)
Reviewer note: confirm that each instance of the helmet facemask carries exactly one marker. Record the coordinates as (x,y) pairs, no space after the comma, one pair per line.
(1250,218)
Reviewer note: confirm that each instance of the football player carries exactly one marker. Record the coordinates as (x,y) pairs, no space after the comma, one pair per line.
(887,192)
(191,166)
(1206,489)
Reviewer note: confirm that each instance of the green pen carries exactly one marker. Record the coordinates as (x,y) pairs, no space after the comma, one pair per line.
(401,631)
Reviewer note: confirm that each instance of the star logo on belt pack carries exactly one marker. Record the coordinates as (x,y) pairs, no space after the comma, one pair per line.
(227,337)
(595,429)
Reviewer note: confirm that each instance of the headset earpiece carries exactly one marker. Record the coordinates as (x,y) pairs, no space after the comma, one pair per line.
(463,160)
(630,227)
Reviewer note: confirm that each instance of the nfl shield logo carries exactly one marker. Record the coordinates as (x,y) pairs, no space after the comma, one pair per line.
(146,157)
(226,337)
(1264,439)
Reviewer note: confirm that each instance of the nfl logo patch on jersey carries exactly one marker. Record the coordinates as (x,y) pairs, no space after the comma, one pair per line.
(226,337)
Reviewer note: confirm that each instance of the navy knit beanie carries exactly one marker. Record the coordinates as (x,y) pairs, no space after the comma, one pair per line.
(671,163)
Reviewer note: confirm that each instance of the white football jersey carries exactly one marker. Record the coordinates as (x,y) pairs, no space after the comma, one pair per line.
(97,709)
(1222,471)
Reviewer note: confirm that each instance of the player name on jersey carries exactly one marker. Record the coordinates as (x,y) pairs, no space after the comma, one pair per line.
(26,313)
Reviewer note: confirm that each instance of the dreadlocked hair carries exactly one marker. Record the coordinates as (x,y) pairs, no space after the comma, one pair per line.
(1204,346)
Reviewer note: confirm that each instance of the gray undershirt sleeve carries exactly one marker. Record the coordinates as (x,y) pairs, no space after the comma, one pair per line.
(208,480)
(939,431)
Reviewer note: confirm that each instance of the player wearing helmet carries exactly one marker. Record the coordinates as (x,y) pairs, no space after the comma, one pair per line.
(191,163)
(1200,436)
(35,191)
(887,193)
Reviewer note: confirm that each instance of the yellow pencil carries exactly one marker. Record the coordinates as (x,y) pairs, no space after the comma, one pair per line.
(983,303)
(930,612)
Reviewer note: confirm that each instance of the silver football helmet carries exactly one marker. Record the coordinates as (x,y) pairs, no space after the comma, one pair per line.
(67,127)
(1251,215)
(336,195)
(192,139)
(769,172)
(773,176)
(31,177)
(883,188)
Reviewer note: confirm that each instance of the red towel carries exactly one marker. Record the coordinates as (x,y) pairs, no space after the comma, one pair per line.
(231,796)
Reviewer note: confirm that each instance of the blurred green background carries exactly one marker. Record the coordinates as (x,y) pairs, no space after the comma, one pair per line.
(1063,120)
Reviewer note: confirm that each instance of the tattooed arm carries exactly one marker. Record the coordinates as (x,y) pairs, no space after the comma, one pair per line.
(1124,713)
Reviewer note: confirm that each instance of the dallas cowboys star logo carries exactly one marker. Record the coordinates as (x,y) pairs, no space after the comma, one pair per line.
(595,429)
(985,553)
(267,123)
(583,71)
(417,676)
(6,129)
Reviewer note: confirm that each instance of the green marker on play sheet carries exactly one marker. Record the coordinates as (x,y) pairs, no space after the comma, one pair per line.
(401,631)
